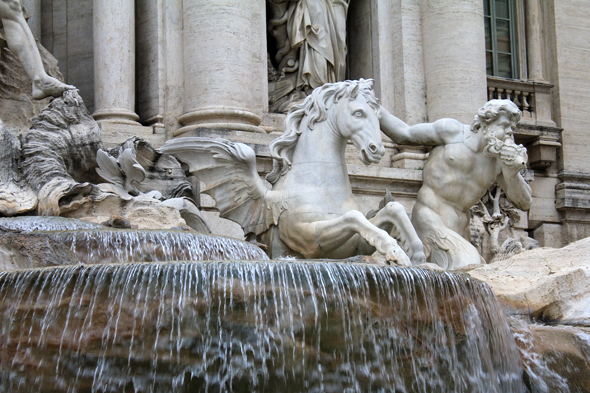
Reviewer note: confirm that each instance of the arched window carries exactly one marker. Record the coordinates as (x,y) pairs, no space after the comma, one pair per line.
(501,48)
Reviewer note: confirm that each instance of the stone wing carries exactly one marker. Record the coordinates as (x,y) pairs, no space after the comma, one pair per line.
(228,170)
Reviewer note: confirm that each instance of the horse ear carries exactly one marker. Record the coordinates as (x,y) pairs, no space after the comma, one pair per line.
(355,91)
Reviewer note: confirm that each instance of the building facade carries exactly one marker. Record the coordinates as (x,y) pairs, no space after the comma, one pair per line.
(160,69)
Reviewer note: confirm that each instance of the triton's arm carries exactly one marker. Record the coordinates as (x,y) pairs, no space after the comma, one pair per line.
(440,132)
(511,181)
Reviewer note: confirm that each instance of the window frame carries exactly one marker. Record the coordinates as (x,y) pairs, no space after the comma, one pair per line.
(515,48)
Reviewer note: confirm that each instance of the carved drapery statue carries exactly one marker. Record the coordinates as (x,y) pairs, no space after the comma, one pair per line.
(310,38)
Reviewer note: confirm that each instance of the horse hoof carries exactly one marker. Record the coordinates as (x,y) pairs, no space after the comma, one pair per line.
(399,257)
(418,258)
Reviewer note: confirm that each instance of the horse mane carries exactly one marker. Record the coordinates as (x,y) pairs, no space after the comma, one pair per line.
(315,107)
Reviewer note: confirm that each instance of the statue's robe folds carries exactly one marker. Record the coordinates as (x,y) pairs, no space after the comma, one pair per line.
(318,27)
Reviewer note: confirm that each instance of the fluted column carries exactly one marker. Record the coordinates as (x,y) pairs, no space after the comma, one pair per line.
(454,58)
(114,61)
(225,82)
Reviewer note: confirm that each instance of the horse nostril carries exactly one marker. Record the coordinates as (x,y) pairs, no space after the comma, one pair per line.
(373,148)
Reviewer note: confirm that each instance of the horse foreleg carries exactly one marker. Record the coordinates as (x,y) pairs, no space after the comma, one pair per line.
(330,235)
(394,219)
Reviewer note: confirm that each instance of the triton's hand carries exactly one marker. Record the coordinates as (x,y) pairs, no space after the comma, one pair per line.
(514,156)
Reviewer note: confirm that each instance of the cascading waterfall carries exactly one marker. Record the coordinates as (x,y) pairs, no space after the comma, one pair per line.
(93,246)
(252,327)
(135,245)
(26,224)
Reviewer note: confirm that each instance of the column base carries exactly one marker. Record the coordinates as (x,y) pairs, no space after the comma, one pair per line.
(228,118)
(115,133)
(118,115)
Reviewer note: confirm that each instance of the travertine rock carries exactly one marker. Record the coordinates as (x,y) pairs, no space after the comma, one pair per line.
(555,358)
(16,196)
(302,327)
(25,224)
(548,284)
(142,212)
(16,102)
(59,154)
(25,251)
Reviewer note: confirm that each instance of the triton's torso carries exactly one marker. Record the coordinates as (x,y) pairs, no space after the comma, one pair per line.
(457,176)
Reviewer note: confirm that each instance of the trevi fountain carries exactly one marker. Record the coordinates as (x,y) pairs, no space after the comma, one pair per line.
(111,280)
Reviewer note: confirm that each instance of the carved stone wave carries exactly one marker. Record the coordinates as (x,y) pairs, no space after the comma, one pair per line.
(16,196)
(59,155)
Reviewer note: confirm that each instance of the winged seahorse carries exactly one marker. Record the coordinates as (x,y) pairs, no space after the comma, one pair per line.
(307,209)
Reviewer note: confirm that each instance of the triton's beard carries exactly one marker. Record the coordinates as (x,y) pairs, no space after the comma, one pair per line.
(507,151)
(494,146)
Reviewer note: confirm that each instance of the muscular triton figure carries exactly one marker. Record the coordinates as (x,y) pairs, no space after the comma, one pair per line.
(464,163)
(21,42)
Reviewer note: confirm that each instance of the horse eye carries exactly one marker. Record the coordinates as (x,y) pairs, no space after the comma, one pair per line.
(357,113)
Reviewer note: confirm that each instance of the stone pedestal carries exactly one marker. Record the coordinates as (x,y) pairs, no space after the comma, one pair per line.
(454,58)
(114,61)
(224,65)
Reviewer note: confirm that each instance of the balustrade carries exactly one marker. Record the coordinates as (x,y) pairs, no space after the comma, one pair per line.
(532,98)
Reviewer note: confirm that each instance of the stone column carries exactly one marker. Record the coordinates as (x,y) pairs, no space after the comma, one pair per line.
(224,65)
(454,58)
(534,41)
(114,61)
(408,62)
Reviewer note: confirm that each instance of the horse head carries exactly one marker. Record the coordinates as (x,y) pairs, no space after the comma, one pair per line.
(355,117)
(350,107)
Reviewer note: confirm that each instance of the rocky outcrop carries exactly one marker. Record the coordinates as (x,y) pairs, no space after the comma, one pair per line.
(59,155)
(242,327)
(36,249)
(17,105)
(142,212)
(26,224)
(26,251)
(549,285)
(16,197)
(555,358)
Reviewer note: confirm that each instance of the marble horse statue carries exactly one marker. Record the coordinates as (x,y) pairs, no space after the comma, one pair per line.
(308,210)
